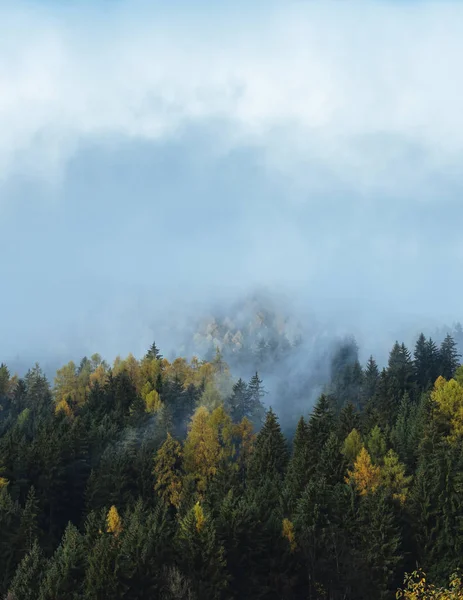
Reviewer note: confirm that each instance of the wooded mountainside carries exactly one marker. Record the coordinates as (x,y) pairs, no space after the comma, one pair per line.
(171,479)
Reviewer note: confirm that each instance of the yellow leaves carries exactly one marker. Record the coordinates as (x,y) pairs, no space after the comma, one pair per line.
(167,465)
(245,436)
(365,476)
(99,375)
(132,367)
(209,446)
(3,482)
(66,383)
(113,522)
(448,395)
(64,407)
(201,448)
(152,402)
(288,533)
(352,446)
(200,519)
(417,588)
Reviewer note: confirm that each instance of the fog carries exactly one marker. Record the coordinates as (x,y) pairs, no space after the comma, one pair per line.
(159,165)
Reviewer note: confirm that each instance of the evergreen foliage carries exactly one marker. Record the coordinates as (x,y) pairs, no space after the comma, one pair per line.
(157,479)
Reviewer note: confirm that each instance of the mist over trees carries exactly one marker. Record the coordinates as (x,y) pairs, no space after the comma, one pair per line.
(155,478)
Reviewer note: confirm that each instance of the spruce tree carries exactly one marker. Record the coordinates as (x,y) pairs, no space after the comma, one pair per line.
(321,424)
(299,467)
(201,555)
(65,571)
(270,456)
(238,403)
(27,579)
(449,357)
(256,392)
(370,380)
(349,419)
(153,352)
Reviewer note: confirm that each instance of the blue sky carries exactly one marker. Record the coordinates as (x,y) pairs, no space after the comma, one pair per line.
(155,160)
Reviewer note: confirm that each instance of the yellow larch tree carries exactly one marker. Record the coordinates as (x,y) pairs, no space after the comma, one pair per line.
(168,472)
(113,522)
(448,396)
(364,475)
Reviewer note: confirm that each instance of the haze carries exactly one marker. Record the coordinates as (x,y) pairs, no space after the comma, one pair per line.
(156,161)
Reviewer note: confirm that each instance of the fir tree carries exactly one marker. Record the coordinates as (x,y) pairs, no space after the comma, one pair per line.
(239,402)
(370,380)
(201,554)
(270,455)
(449,357)
(256,392)
(299,467)
(321,424)
(27,579)
(153,352)
(65,570)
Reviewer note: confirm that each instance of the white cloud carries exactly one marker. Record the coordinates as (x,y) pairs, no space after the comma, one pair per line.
(354,89)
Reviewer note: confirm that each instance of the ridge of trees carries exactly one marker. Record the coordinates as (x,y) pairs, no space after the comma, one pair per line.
(154,478)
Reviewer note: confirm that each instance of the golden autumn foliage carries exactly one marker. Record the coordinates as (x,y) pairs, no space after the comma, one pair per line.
(99,375)
(64,407)
(288,533)
(448,396)
(167,470)
(67,385)
(152,402)
(212,445)
(200,519)
(113,522)
(418,588)
(3,482)
(352,446)
(202,448)
(368,477)
(365,476)
(245,436)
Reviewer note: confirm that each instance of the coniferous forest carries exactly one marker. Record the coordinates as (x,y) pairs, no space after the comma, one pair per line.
(166,479)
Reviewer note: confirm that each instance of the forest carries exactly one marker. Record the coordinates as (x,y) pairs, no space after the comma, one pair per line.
(174,479)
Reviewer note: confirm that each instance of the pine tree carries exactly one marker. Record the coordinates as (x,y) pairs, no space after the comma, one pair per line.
(239,402)
(270,455)
(299,468)
(201,554)
(65,570)
(256,392)
(449,357)
(400,373)
(420,362)
(331,465)
(349,419)
(370,380)
(434,360)
(346,375)
(4,380)
(153,352)
(376,546)
(28,528)
(402,434)
(321,424)
(27,579)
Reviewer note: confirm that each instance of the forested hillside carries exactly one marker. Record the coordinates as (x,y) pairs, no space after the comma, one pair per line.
(153,478)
